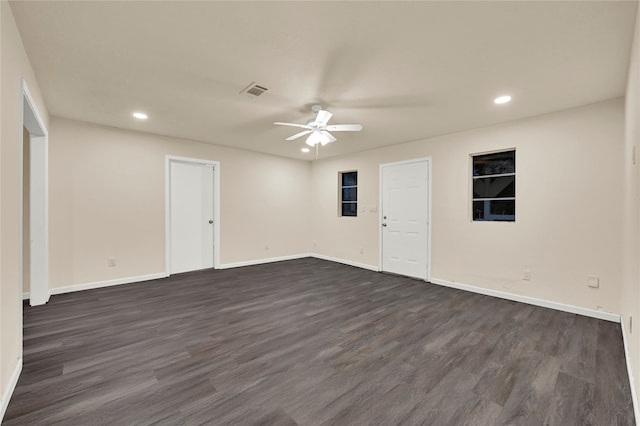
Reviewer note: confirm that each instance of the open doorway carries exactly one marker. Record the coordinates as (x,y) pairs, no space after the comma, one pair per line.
(26,210)
(34,190)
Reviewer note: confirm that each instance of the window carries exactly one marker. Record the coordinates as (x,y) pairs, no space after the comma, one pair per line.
(494,186)
(348,193)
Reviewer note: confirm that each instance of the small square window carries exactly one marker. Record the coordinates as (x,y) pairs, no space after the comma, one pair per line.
(348,193)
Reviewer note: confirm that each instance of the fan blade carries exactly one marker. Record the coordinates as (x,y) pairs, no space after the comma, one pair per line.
(328,137)
(297,135)
(302,126)
(345,127)
(323,117)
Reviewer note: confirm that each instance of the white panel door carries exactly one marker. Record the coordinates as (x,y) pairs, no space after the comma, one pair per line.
(405,218)
(191,216)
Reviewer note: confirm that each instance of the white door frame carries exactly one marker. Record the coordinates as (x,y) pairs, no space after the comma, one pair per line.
(167,207)
(380,220)
(31,119)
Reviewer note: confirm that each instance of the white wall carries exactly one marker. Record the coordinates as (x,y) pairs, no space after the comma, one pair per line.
(568,207)
(15,65)
(630,295)
(107,200)
(4,364)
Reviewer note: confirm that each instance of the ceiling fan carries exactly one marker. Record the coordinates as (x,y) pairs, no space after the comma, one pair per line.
(318,129)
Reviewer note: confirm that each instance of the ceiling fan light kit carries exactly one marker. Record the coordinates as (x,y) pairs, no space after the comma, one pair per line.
(318,129)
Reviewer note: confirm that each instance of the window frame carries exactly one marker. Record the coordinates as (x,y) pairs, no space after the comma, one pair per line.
(497,175)
(341,188)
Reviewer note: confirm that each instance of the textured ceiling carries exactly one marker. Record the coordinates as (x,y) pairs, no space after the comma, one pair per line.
(404,70)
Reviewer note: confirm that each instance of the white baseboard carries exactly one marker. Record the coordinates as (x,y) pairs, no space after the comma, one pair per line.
(632,382)
(11,386)
(25,296)
(608,316)
(108,283)
(265,260)
(530,300)
(345,262)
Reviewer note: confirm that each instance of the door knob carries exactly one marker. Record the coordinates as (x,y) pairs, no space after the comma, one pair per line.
(210,221)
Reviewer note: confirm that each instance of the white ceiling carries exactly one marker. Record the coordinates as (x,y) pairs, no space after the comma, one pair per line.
(404,70)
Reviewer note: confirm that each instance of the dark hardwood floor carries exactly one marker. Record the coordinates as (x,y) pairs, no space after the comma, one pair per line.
(311,342)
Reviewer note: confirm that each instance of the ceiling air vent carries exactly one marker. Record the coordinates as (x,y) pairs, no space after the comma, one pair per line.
(254,90)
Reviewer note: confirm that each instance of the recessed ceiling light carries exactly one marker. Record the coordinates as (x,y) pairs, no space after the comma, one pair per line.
(502,99)
(140,115)
(305,150)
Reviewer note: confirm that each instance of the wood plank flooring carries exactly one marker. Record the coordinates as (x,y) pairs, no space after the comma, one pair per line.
(311,342)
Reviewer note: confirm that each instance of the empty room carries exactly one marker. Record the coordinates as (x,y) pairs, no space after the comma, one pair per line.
(319,212)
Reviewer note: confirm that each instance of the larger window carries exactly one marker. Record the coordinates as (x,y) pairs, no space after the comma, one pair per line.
(348,193)
(494,186)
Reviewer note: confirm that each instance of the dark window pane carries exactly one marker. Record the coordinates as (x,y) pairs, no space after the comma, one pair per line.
(478,210)
(349,194)
(349,209)
(350,179)
(494,164)
(495,210)
(499,187)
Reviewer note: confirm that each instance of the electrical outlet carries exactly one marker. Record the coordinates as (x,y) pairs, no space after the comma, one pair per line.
(111,262)
(593,281)
(526,275)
